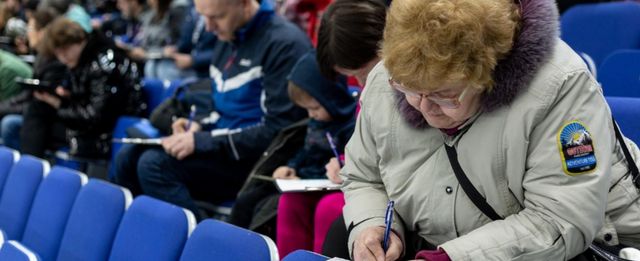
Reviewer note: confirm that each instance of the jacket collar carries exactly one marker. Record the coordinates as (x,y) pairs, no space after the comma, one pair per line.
(264,14)
(532,48)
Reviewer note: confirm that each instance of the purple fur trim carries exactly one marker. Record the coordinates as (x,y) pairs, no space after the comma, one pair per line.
(409,114)
(533,47)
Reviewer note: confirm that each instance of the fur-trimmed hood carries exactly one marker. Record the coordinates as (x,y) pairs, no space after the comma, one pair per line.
(533,46)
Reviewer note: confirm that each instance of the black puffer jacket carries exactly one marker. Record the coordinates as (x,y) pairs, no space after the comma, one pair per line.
(104,85)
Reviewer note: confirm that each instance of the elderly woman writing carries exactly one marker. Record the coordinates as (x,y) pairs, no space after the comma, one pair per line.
(480,101)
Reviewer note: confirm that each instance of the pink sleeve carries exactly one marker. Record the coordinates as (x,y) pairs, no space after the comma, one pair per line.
(433,255)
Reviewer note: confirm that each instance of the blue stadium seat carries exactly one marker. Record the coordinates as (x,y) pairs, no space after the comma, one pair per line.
(14,251)
(153,90)
(216,240)
(7,158)
(17,197)
(93,222)
(600,29)
(620,74)
(50,211)
(303,255)
(152,230)
(626,111)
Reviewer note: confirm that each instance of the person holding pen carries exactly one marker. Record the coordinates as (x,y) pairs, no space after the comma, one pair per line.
(480,101)
(331,109)
(348,41)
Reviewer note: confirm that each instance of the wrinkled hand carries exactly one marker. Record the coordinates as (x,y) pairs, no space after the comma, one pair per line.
(179,145)
(333,171)
(180,126)
(183,61)
(285,172)
(48,98)
(368,246)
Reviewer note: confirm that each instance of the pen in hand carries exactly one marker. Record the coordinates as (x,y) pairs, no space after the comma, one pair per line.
(192,114)
(388,221)
(335,149)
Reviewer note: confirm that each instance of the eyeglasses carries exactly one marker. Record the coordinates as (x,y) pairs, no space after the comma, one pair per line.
(450,103)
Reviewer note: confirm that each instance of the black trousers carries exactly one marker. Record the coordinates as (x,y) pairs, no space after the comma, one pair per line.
(41,130)
(149,170)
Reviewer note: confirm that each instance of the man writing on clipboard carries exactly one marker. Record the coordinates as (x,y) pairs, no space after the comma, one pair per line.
(256,51)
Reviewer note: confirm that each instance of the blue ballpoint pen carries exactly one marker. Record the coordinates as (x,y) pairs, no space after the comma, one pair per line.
(388,221)
(335,150)
(192,114)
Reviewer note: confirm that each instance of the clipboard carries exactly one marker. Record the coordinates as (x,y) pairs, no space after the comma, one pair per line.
(36,85)
(154,142)
(305,185)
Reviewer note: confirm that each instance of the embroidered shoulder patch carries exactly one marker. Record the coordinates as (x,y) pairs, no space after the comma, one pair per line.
(576,149)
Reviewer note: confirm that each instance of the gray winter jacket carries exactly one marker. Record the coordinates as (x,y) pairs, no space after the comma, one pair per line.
(542,151)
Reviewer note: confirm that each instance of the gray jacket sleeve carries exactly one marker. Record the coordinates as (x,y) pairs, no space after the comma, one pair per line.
(365,194)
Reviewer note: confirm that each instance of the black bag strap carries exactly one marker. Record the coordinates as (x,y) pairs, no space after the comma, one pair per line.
(481,203)
(633,168)
(467,186)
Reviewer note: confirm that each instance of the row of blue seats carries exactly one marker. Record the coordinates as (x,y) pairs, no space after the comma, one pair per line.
(607,37)
(60,214)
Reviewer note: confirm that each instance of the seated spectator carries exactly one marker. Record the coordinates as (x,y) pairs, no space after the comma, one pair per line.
(16,7)
(194,50)
(208,162)
(45,69)
(332,110)
(125,29)
(304,218)
(11,66)
(70,10)
(104,85)
(159,29)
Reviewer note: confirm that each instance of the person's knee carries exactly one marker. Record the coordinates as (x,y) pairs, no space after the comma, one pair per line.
(155,166)
(125,163)
(10,125)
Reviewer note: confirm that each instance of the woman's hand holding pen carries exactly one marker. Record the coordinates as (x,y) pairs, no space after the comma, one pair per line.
(368,246)
(180,126)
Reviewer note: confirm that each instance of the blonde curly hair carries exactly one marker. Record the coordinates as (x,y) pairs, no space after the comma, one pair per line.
(431,43)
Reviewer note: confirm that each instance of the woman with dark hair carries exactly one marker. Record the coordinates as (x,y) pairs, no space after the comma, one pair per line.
(348,41)
(103,85)
(161,27)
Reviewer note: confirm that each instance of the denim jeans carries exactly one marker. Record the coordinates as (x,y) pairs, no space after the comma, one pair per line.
(151,171)
(10,129)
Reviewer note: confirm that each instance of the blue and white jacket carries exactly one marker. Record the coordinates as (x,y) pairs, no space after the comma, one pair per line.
(251,100)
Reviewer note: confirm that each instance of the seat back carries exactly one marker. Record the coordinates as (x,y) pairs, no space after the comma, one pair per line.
(153,90)
(50,211)
(152,230)
(93,222)
(626,111)
(14,251)
(620,74)
(216,240)
(17,197)
(599,29)
(7,158)
(303,255)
